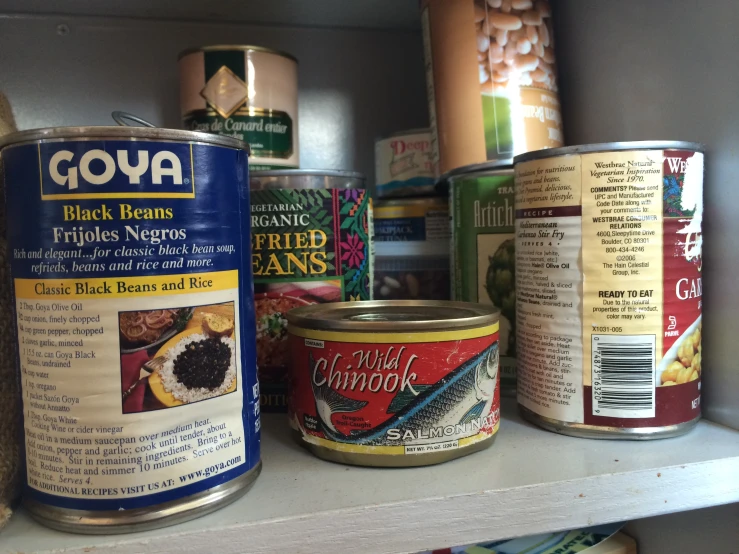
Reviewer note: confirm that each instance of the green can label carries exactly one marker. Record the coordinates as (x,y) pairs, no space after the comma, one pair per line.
(483,255)
(268,132)
(309,246)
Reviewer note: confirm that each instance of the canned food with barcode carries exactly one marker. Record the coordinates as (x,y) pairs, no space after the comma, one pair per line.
(609,288)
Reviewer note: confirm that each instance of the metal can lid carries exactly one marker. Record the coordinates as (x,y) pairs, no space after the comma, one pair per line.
(418,131)
(305,179)
(120,132)
(430,201)
(497,166)
(610,147)
(401,316)
(309,173)
(227,47)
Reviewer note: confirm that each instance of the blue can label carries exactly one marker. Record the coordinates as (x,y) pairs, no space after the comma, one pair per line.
(418,220)
(136,346)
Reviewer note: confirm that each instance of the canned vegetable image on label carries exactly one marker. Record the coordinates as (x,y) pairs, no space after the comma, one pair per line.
(394,383)
(481,201)
(609,288)
(135,322)
(412,249)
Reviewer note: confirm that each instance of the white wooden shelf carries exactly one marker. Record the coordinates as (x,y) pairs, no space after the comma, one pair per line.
(529,481)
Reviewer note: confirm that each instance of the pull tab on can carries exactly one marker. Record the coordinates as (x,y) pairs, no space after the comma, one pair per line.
(122,118)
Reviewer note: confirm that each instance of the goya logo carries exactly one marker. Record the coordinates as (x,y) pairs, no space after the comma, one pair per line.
(116,169)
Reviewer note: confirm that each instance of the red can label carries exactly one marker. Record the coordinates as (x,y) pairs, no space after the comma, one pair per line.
(394,393)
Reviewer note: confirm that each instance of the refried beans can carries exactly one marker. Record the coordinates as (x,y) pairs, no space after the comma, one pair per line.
(403,165)
(311,243)
(481,202)
(394,383)
(135,324)
(491,79)
(609,288)
(246,92)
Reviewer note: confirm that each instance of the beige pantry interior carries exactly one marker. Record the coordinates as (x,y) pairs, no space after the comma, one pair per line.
(629,70)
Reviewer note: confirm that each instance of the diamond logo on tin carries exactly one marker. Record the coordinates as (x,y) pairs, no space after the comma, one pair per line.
(225,92)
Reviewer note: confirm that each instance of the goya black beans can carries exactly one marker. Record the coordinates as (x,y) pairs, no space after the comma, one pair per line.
(135,324)
(311,243)
(394,382)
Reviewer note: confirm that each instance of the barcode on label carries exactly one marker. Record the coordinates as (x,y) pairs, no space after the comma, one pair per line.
(623,369)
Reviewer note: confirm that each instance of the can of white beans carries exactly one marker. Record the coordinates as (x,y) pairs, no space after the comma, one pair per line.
(491,79)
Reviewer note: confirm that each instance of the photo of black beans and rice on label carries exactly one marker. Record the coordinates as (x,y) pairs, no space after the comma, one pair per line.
(436,288)
(176,356)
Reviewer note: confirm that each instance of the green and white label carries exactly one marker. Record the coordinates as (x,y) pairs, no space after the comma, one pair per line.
(483,255)
(269,133)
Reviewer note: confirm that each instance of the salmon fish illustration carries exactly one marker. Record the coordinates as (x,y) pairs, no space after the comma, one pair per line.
(464,395)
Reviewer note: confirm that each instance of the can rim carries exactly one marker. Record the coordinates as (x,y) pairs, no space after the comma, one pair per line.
(345,316)
(610,147)
(226,47)
(411,201)
(415,131)
(115,132)
(308,173)
(497,165)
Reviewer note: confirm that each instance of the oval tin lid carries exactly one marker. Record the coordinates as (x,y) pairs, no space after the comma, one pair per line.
(609,147)
(401,316)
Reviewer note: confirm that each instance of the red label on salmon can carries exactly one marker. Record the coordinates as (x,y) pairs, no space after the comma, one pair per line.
(394,393)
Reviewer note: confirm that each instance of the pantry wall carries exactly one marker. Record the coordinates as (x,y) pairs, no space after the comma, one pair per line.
(629,70)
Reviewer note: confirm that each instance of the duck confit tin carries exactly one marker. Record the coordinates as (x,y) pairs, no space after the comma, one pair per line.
(394,383)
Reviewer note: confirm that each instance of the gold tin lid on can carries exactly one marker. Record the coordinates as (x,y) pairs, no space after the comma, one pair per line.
(241,47)
(401,316)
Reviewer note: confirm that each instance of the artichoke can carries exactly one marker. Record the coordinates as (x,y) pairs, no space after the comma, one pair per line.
(483,258)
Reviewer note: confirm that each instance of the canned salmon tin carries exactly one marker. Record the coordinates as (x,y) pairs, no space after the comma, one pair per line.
(394,383)
(246,92)
(609,288)
(483,249)
(491,80)
(136,339)
(412,249)
(311,243)
(403,165)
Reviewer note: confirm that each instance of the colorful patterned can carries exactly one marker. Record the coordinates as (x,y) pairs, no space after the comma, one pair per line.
(311,244)
(609,288)
(246,92)
(483,256)
(491,80)
(394,383)
(403,165)
(136,339)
